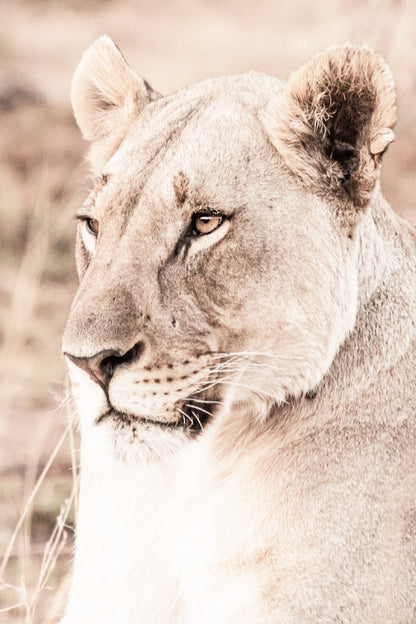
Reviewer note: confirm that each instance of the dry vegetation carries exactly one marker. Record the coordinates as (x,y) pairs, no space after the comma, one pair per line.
(42,177)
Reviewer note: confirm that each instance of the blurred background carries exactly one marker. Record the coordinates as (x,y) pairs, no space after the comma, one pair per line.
(43,179)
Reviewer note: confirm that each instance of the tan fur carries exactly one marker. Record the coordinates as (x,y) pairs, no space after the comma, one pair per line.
(245,397)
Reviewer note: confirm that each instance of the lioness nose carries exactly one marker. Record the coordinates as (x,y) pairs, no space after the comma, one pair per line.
(101,366)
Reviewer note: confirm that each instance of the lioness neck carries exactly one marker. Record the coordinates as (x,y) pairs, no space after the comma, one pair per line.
(387,245)
(387,297)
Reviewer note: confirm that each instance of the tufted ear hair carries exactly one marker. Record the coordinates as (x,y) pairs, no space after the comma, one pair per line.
(106,95)
(334,120)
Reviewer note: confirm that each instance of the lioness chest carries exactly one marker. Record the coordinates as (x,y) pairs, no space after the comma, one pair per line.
(288,533)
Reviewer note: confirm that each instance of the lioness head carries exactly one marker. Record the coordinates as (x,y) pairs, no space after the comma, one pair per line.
(218,251)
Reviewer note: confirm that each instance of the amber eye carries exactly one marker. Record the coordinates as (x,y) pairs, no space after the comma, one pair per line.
(93,226)
(206,223)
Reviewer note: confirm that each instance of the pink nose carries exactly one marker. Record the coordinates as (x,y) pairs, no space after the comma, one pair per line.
(101,366)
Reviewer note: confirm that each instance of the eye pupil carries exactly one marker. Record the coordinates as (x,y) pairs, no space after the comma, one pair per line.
(93,226)
(205,224)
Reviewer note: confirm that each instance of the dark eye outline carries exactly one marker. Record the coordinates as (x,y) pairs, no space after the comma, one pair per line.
(209,215)
(88,221)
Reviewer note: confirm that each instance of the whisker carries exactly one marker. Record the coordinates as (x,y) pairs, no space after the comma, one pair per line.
(232,382)
(253,366)
(197,419)
(230,359)
(206,387)
(207,401)
(224,365)
(245,354)
(198,408)
(249,366)
(185,416)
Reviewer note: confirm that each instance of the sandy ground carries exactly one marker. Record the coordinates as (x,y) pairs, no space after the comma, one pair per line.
(43,180)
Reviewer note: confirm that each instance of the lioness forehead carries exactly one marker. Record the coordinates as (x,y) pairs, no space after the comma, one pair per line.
(209,132)
(199,116)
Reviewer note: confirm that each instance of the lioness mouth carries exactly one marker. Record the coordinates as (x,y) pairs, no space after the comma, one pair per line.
(190,418)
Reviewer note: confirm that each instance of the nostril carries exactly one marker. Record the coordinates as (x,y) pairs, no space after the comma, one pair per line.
(108,365)
(133,354)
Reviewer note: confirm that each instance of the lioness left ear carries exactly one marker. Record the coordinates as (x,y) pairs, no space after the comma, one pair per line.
(334,120)
(106,96)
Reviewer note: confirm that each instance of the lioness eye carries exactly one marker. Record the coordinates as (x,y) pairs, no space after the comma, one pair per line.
(93,226)
(205,223)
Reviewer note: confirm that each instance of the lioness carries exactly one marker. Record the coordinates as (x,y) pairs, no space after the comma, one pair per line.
(242,351)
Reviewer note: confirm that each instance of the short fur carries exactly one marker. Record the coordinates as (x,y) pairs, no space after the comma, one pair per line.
(245,397)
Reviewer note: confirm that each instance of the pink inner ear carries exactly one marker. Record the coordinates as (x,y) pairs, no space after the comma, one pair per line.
(381,142)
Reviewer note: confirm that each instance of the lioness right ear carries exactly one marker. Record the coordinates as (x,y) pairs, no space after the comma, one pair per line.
(106,96)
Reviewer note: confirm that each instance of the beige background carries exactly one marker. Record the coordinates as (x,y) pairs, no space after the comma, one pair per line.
(43,180)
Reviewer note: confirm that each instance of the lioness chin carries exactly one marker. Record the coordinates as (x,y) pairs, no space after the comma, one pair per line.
(242,351)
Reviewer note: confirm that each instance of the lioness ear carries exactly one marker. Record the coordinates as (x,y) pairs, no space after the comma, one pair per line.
(106,95)
(334,121)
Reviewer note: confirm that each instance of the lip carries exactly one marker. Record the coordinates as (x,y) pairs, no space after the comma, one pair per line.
(188,422)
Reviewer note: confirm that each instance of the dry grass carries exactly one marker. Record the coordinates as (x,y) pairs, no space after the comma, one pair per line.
(25,595)
(41,184)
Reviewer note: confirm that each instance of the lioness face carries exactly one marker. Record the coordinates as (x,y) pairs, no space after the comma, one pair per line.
(203,263)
